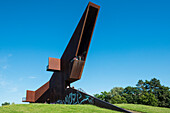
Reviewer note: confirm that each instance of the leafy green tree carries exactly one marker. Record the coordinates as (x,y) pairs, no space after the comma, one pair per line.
(140,85)
(118,99)
(129,98)
(131,90)
(146,92)
(148,99)
(106,96)
(160,92)
(5,103)
(131,94)
(116,91)
(152,86)
(164,96)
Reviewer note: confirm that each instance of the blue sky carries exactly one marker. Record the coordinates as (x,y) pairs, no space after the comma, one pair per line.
(131,41)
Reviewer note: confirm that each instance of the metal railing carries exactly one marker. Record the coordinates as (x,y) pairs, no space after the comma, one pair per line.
(80,89)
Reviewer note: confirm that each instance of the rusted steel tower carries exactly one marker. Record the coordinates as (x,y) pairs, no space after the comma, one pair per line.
(69,68)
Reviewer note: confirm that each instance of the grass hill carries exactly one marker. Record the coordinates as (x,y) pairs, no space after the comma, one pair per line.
(58,108)
(144,108)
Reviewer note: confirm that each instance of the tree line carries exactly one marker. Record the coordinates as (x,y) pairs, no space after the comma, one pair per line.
(145,92)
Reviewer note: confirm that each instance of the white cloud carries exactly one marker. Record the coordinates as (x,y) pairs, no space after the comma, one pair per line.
(7,85)
(32,77)
(4,67)
(14,89)
(2,60)
(3,83)
(20,79)
(9,55)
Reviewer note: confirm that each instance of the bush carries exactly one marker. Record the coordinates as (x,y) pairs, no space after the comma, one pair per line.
(5,103)
(146,92)
(118,99)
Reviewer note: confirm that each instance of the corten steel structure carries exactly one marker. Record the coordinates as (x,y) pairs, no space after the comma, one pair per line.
(69,68)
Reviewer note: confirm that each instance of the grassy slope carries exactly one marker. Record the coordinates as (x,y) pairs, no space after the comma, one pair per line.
(144,108)
(55,108)
(58,108)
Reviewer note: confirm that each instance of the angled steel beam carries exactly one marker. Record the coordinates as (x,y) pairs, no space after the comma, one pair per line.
(70,66)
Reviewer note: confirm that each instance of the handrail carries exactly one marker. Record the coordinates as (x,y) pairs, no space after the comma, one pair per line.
(80,89)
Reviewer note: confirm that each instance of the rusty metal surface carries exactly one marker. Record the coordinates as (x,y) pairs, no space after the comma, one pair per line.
(76,70)
(33,96)
(80,41)
(40,91)
(57,86)
(53,64)
(44,98)
(30,96)
(64,73)
(69,68)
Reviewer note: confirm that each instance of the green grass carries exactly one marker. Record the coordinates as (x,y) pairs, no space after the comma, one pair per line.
(144,108)
(53,108)
(59,108)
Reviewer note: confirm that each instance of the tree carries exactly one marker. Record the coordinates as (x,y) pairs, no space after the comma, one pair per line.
(146,92)
(106,96)
(140,85)
(129,98)
(131,94)
(5,103)
(164,96)
(148,99)
(152,86)
(116,91)
(118,99)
